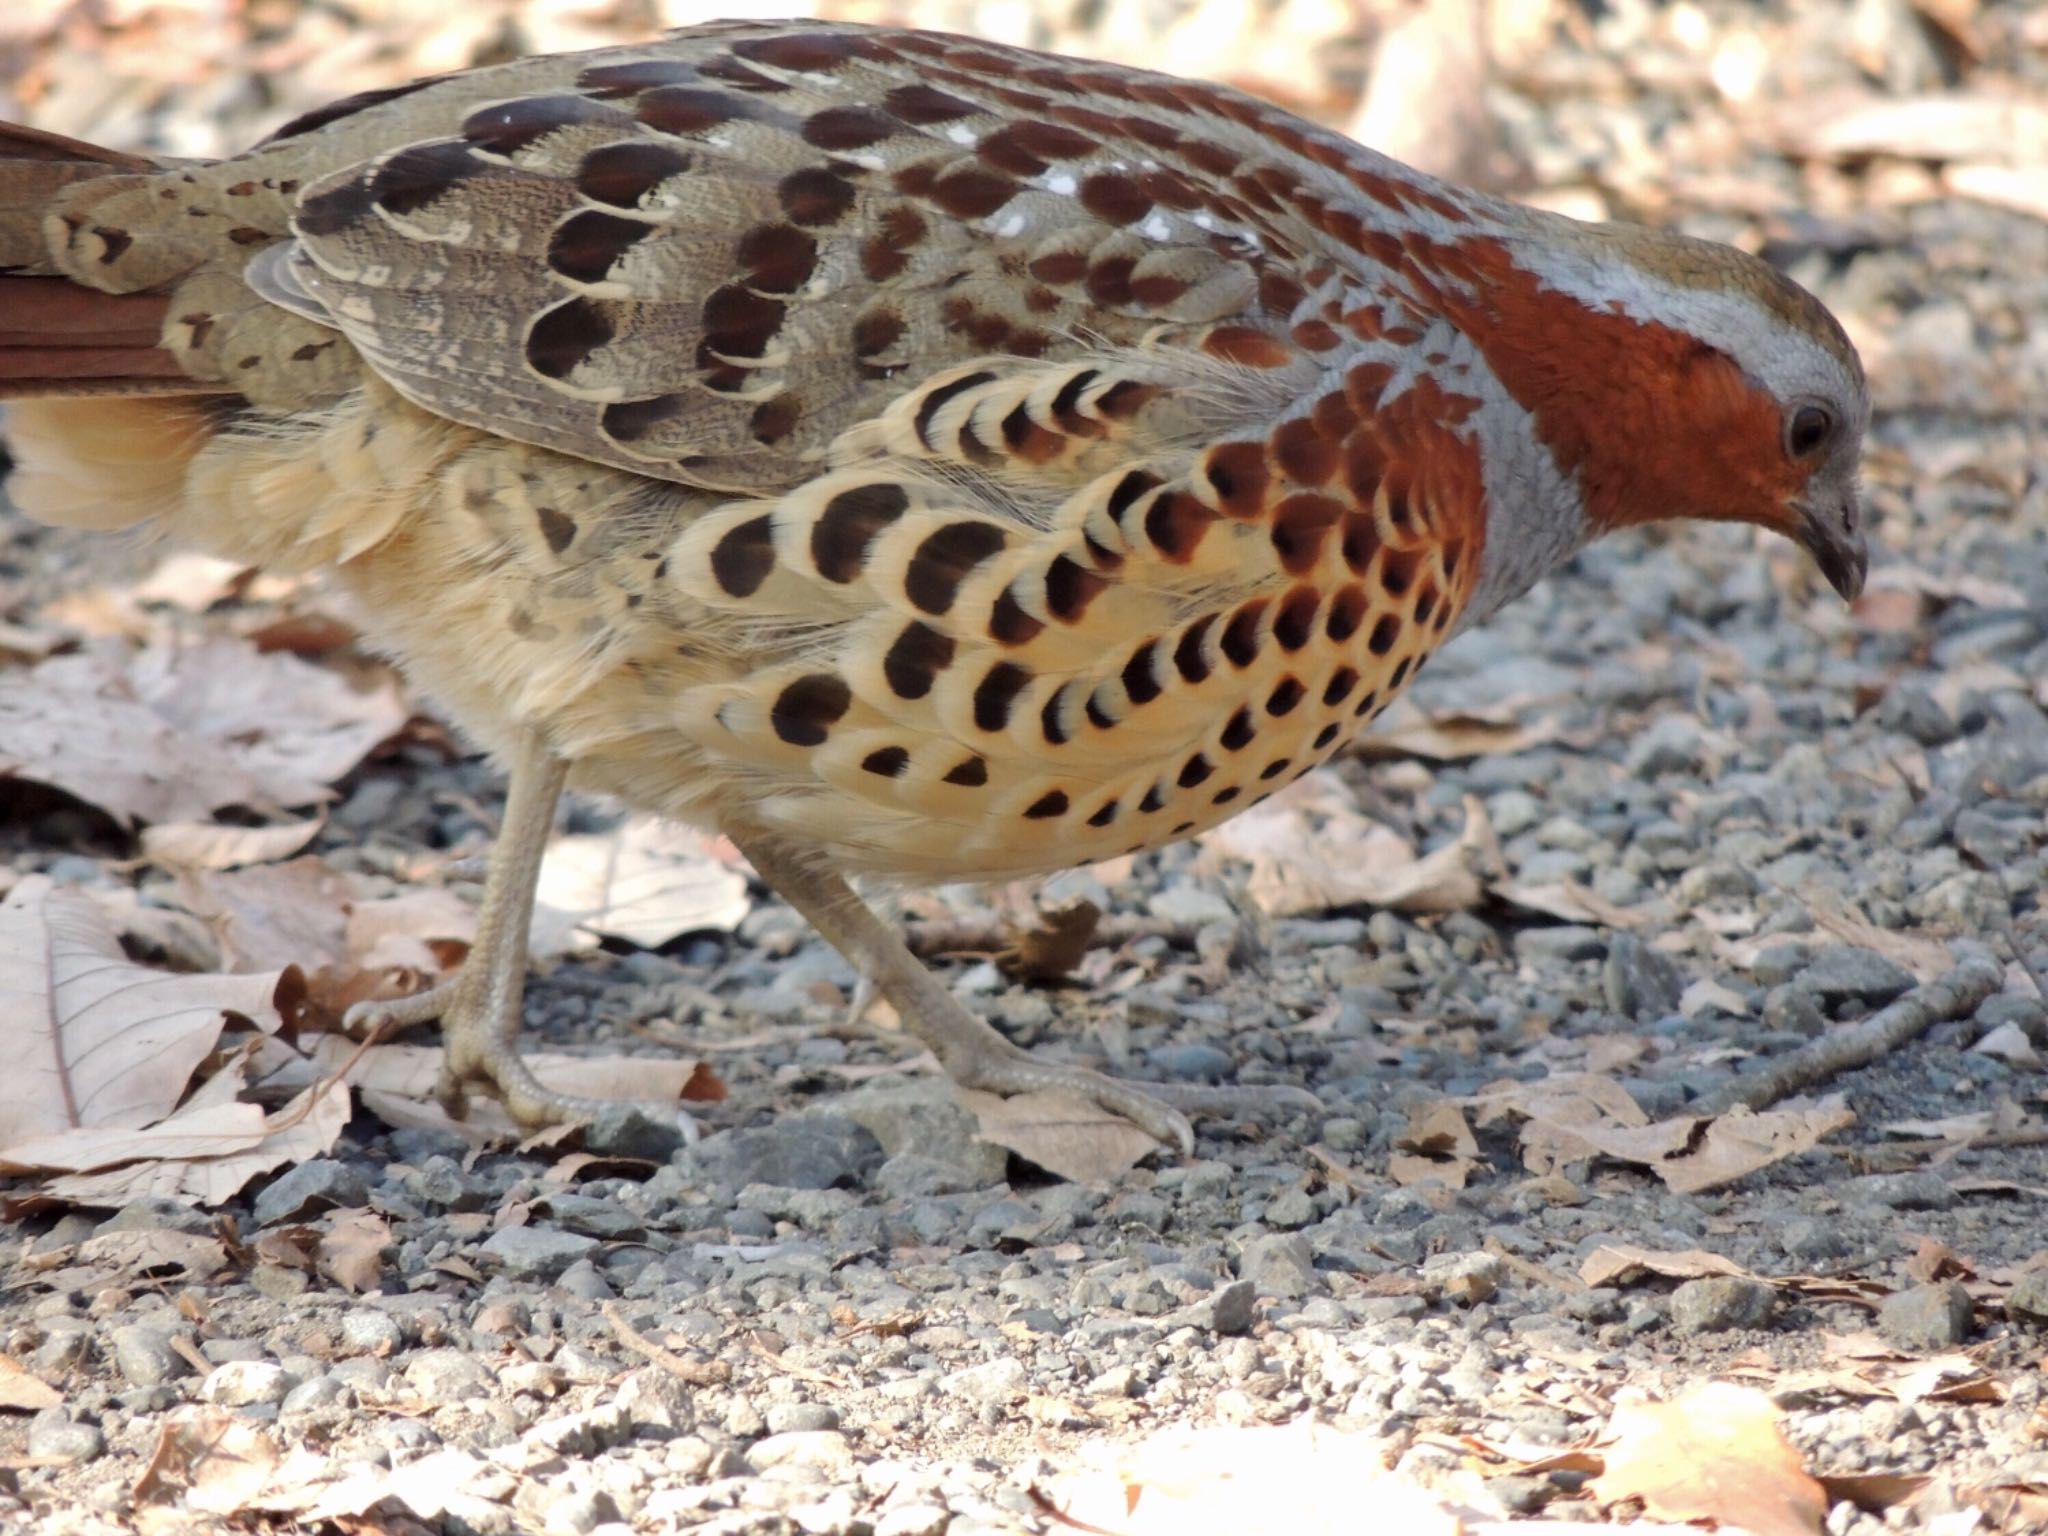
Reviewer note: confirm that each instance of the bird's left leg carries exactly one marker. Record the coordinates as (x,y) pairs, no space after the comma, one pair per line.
(480,1010)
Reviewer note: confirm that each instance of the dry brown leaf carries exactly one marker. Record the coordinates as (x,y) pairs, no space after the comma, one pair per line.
(1617,1263)
(646,881)
(1924,955)
(101,1042)
(208,1462)
(209,845)
(352,1249)
(1714,1454)
(1061,1132)
(1311,850)
(1571,902)
(1438,1146)
(1453,738)
(397,1083)
(153,1251)
(1052,946)
(211,1174)
(23,1393)
(1738,1143)
(166,735)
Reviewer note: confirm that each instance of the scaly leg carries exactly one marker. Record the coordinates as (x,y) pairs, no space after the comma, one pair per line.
(480,1009)
(972,1053)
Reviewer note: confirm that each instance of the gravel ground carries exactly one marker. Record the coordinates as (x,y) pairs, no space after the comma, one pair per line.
(841,1311)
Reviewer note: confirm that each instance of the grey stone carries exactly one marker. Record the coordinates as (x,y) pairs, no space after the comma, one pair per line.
(445,1376)
(999,1381)
(1640,981)
(1566,941)
(816,1151)
(1777,964)
(1711,882)
(1280,1264)
(1192,1062)
(144,1355)
(1935,1316)
(1843,973)
(535,1253)
(1717,1303)
(320,1185)
(1290,1209)
(2027,1302)
(319,1392)
(368,1331)
(626,1129)
(54,1434)
(1672,744)
(1229,1309)
(606,1220)
(800,1418)
(1921,1190)
(242,1382)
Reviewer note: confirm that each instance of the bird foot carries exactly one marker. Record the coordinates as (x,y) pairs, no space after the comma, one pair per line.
(478,1051)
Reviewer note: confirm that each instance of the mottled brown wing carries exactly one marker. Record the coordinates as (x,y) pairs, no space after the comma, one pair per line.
(705,259)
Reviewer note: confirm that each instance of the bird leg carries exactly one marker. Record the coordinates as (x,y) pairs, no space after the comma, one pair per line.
(480,1010)
(972,1053)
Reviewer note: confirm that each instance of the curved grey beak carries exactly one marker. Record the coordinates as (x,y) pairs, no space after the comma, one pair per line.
(1834,537)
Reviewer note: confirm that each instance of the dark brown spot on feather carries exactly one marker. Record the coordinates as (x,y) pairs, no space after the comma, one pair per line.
(609,81)
(1296,619)
(1009,624)
(1140,675)
(849,525)
(876,330)
(1286,693)
(1194,771)
(1109,281)
(1238,477)
(1153,801)
(1176,523)
(587,245)
(775,419)
(917,657)
(1384,634)
(1361,540)
(924,105)
(742,559)
(1052,803)
(507,127)
(1397,570)
(1303,454)
(972,192)
(624,174)
(561,339)
(1190,659)
(1339,687)
(889,762)
(1241,634)
(1126,493)
(777,258)
(628,421)
(1069,588)
(556,527)
(842,128)
(996,694)
(815,197)
(690,109)
(804,712)
(1238,733)
(1274,769)
(1104,814)
(970,774)
(732,72)
(945,559)
(805,52)
(739,322)
(1301,526)
(1114,198)
(1366,705)
(1425,604)
(1052,720)
(935,399)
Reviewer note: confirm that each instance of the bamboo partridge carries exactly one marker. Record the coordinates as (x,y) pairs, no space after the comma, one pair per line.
(910,456)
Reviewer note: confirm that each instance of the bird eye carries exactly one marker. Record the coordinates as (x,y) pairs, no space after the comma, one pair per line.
(1808,429)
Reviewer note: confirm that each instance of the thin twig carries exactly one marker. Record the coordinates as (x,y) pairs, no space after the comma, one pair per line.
(1959,992)
(698,1373)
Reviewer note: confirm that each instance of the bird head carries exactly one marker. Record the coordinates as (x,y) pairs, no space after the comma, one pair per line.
(1675,378)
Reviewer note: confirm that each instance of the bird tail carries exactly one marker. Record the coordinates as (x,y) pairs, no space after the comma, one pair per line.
(101,420)
(58,336)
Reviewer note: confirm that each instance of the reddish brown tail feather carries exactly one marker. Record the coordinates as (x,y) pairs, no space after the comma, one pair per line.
(58,337)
